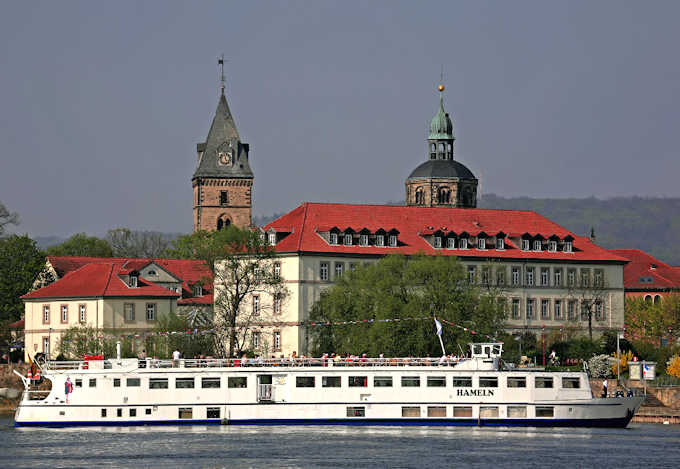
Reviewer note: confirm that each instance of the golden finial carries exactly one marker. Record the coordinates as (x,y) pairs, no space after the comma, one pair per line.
(440,88)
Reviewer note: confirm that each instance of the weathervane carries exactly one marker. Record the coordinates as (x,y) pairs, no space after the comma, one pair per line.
(220,62)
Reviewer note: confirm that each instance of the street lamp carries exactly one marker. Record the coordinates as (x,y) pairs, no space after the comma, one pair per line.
(49,344)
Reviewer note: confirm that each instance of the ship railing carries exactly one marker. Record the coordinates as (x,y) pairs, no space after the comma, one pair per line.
(294,362)
(65,365)
(37,395)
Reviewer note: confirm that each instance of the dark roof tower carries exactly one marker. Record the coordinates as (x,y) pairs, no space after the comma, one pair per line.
(441,181)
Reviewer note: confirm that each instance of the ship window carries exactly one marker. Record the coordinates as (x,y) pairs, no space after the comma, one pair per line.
(79,383)
(542,382)
(119,412)
(571,383)
(436,381)
(237,382)
(410,381)
(358,381)
(330,381)
(487,412)
(116,382)
(103,412)
(185,412)
(304,382)
(158,383)
(488,382)
(93,382)
(462,381)
(133,412)
(356,411)
(517,382)
(545,411)
(185,383)
(133,382)
(148,412)
(436,411)
(410,411)
(465,411)
(213,413)
(210,382)
(382,382)
(517,411)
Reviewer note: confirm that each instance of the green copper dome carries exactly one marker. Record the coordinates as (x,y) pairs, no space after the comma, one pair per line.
(441,126)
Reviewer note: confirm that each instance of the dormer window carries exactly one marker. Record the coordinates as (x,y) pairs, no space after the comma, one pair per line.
(463,243)
(537,245)
(481,243)
(552,246)
(451,243)
(198,290)
(380,240)
(363,240)
(333,238)
(272,239)
(525,245)
(133,281)
(347,239)
(437,242)
(568,246)
(500,244)
(393,241)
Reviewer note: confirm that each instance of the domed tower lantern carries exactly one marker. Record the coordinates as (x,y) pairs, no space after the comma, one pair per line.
(440,181)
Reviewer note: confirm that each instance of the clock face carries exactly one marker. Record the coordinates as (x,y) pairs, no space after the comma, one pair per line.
(225,154)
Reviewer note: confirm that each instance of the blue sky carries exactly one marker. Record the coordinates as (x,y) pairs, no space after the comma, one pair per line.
(104,102)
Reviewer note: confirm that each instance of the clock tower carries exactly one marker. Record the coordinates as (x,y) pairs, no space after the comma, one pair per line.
(223,180)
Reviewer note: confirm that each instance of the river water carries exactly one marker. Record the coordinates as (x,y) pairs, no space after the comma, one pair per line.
(647,445)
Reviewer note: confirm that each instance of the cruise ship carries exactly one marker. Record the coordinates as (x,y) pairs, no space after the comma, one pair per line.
(476,391)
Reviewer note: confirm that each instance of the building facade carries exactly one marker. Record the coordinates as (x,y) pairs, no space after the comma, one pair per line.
(647,277)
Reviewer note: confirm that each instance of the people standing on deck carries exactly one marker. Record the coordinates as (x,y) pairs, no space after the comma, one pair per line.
(68,387)
(605,384)
(175,358)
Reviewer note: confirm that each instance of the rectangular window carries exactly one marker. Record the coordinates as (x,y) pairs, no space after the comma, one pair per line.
(277,270)
(358,381)
(356,411)
(185,383)
(517,412)
(323,271)
(277,303)
(46,345)
(333,238)
(304,381)
(79,383)
(256,304)
(568,246)
(463,243)
(347,239)
(584,310)
(330,382)
(515,308)
(198,291)
(393,241)
(410,411)
(571,278)
(133,382)
(237,382)
(133,412)
(210,383)
(481,243)
(151,311)
(517,382)
(515,276)
(382,382)
(436,381)
(543,382)
(545,411)
(133,281)
(599,311)
(410,381)
(525,245)
(255,340)
(363,240)
(46,314)
(185,413)
(500,244)
(277,341)
(571,310)
(558,277)
(537,245)
(485,276)
(571,383)
(64,314)
(488,381)
(352,267)
(339,267)
(471,274)
(531,308)
(436,411)
(380,240)
(158,383)
(488,412)
(451,243)
(552,246)
(92,382)
(585,278)
(558,309)
(545,277)
(271,239)
(224,197)
(103,412)
(530,276)
(116,382)
(462,411)
(119,412)
(212,413)
(147,411)
(462,381)
(437,242)
(545,309)
(82,313)
(500,276)
(129,312)
(598,279)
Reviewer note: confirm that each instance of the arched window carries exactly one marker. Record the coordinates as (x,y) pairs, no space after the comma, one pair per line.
(657,299)
(420,196)
(223,222)
(444,195)
(648,298)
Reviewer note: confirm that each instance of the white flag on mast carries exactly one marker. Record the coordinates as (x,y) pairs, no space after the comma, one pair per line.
(439,327)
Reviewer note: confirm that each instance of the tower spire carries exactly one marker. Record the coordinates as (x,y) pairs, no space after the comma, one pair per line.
(220,63)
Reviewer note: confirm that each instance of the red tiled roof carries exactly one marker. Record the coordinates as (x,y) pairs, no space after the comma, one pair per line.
(411,222)
(20,324)
(663,276)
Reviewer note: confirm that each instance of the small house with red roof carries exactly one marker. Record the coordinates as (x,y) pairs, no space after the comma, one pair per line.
(647,277)
(111,294)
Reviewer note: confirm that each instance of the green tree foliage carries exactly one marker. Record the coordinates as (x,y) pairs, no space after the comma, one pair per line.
(7,218)
(401,287)
(20,263)
(242,264)
(80,244)
(647,321)
(140,244)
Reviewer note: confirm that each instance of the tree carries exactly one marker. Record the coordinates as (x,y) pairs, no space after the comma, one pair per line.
(590,293)
(401,287)
(20,263)
(242,265)
(647,321)
(7,218)
(80,244)
(127,243)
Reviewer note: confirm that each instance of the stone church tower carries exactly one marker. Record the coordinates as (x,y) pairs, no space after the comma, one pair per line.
(441,181)
(223,180)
